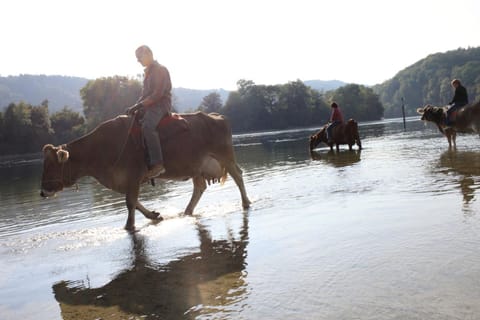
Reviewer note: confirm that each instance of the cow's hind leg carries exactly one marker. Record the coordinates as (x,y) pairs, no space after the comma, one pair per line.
(236,173)
(199,186)
(451,135)
(153,215)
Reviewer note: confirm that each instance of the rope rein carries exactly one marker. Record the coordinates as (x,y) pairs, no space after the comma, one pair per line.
(132,122)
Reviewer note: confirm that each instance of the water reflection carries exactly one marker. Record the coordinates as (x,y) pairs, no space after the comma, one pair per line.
(371,130)
(272,151)
(337,159)
(211,281)
(22,182)
(466,164)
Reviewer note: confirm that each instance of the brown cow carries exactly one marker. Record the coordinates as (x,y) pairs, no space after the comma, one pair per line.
(345,133)
(202,150)
(467,120)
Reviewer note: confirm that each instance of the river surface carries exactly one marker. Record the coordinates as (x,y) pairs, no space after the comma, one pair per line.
(391,232)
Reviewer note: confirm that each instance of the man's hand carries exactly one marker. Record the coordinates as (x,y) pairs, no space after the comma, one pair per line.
(131,110)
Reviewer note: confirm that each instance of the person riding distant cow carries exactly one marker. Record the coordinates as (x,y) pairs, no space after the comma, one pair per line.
(467,120)
(459,100)
(336,118)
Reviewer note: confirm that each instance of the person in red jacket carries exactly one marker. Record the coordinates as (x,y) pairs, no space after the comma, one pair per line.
(336,118)
(156,103)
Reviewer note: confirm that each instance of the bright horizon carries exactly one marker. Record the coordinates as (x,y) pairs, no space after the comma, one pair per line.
(212,44)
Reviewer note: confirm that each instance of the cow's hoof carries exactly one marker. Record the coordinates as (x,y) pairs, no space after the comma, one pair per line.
(130,228)
(153,215)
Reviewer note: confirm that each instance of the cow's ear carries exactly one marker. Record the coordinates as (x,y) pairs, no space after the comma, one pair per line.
(49,152)
(48,147)
(62,156)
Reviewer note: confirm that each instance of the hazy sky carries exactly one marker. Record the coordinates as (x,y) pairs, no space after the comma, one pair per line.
(209,44)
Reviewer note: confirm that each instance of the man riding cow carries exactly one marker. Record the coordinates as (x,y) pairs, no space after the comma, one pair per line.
(155,103)
(197,146)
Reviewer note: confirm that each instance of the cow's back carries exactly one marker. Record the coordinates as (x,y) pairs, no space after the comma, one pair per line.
(211,131)
(207,134)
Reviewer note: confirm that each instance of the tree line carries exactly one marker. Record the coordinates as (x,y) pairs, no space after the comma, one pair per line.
(264,107)
(25,128)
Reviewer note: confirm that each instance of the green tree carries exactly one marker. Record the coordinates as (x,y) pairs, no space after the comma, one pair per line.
(26,128)
(105,98)
(67,125)
(248,108)
(259,107)
(211,103)
(2,128)
(358,102)
(18,127)
(41,127)
(299,103)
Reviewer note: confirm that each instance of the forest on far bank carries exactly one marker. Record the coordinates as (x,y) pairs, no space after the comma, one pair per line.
(25,128)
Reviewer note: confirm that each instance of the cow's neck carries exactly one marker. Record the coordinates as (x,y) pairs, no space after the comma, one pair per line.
(80,159)
(97,153)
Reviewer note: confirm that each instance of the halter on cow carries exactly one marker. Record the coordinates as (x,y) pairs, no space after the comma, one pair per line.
(198,147)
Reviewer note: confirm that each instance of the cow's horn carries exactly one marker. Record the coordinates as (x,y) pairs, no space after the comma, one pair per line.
(420,110)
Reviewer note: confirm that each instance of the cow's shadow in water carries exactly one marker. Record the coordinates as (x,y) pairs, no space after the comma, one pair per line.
(184,288)
(466,164)
(337,159)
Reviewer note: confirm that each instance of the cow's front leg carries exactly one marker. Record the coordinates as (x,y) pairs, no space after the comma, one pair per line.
(199,186)
(234,170)
(153,215)
(131,199)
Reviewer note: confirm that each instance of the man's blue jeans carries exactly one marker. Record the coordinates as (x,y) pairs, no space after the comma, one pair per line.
(150,120)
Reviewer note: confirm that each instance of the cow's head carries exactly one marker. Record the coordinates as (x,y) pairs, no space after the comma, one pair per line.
(432,113)
(53,177)
(318,137)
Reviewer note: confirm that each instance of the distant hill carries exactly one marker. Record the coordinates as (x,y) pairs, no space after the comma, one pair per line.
(60,91)
(189,99)
(324,85)
(428,81)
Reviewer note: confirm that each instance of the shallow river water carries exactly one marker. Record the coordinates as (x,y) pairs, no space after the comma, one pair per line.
(391,232)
